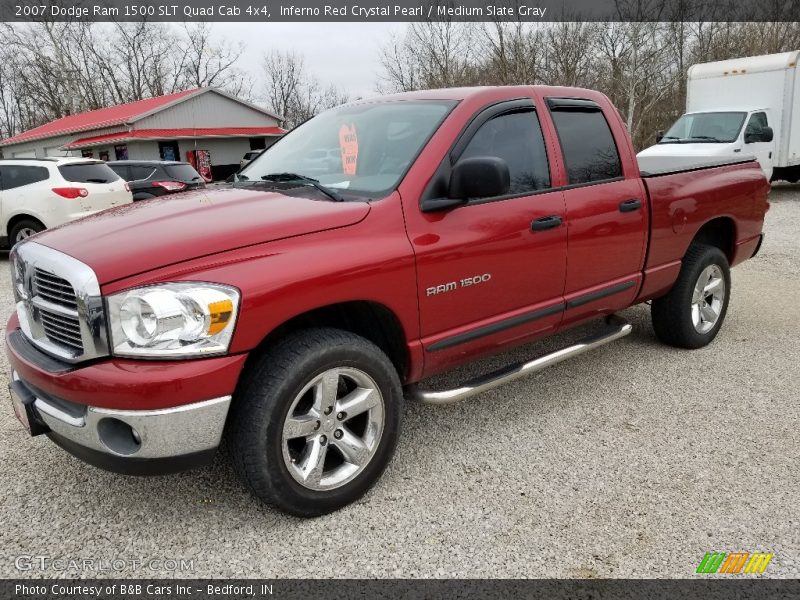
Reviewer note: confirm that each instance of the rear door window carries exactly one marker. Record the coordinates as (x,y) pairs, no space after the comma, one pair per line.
(88,173)
(15,176)
(587,144)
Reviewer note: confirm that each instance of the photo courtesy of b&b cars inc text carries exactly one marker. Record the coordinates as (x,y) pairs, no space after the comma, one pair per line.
(400,299)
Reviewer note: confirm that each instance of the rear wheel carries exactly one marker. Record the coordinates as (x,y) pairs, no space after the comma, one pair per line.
(691,314)
(24,229)
(316,421)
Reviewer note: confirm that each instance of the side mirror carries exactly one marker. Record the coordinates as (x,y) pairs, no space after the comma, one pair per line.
(479,177)
(765,134)
(659,136)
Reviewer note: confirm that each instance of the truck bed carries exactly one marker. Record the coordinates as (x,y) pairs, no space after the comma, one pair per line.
(732,194)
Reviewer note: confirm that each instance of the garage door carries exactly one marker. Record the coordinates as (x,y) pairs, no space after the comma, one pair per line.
(55,151)
(29,154)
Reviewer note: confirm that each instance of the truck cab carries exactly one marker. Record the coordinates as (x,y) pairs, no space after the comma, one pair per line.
(697,137)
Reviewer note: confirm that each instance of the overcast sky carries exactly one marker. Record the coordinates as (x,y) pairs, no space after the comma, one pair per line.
(345,54)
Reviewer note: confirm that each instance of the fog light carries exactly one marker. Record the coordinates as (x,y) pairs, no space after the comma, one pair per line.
(118,436)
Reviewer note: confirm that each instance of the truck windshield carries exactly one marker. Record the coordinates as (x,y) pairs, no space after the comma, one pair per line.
(710,127)
(362,149)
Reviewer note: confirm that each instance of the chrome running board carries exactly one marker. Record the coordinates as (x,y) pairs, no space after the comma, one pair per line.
(617,327)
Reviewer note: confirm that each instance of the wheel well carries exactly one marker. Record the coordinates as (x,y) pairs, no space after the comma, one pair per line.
(720,232)
(370,320)
(17,218)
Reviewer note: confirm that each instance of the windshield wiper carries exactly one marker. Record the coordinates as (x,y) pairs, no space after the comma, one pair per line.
(290,177)
(705,137)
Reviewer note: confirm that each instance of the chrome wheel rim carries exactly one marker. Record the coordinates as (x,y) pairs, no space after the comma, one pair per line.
(708,298)
(333,428)
(24,234)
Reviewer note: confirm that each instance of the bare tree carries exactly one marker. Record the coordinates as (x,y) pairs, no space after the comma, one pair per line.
(294,94)
(49,70)
(640,64)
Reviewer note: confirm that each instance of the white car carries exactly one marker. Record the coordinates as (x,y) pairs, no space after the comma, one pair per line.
(39,193)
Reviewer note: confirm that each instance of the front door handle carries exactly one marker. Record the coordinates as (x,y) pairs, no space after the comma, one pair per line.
(546,223)
(630,205)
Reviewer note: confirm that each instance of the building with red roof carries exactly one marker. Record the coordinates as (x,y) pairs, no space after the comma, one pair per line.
(171,127)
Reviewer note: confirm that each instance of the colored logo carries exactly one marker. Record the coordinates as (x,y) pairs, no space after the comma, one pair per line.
(734,562)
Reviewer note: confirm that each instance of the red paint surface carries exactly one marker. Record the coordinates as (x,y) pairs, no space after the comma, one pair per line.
(289,255)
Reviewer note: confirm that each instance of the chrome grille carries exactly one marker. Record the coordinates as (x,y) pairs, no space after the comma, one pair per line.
(61,329)
(54,289)
(59,304)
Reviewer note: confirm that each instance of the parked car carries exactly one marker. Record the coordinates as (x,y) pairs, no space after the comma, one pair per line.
(321,161)
(36,194)
(151,178)
(295,313)
(737,108)
(248,158)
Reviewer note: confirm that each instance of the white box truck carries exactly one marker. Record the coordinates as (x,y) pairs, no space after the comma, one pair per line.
(743,107)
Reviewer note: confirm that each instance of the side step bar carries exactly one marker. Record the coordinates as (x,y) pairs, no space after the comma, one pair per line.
(617,327)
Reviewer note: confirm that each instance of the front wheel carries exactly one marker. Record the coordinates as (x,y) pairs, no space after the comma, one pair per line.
(691,314)
(316,421)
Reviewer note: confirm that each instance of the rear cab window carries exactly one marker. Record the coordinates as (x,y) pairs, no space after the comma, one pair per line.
(16,176)
(88,173)
(587,144)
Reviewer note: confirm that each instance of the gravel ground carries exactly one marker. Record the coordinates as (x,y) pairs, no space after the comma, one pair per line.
(632,461)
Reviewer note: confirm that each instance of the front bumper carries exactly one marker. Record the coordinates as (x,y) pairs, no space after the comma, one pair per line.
(178,426)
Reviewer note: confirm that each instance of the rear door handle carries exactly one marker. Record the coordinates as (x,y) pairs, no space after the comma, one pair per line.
(630,205)
(546,223)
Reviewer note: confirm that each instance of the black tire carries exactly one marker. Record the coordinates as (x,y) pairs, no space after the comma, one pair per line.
(262,403)
(672,314)
(31,225)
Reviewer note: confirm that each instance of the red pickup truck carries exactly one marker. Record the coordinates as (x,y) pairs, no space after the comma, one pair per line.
(375,245)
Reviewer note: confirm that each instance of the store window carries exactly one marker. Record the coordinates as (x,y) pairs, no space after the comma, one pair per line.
(168,151)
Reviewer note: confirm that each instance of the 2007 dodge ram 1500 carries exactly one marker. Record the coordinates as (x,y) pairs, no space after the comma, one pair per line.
(375,245)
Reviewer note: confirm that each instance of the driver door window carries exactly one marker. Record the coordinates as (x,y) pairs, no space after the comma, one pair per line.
(516,138)
(757,122)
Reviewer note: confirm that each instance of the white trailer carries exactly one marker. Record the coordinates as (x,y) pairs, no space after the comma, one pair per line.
(743,107)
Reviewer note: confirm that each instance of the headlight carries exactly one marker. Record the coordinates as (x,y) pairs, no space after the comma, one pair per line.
(173,320)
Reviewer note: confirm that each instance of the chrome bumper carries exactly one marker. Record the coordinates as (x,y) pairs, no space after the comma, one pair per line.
(136,434)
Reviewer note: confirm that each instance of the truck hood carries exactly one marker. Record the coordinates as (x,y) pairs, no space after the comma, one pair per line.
(146,235)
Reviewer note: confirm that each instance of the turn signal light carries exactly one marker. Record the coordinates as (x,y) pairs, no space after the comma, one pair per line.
(170,186)
(71,192)
(220,312)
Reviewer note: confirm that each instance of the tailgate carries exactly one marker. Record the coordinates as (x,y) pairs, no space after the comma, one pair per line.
(105,195)
(105,188)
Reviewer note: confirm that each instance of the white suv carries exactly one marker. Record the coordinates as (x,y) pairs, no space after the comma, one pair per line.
(36,194)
